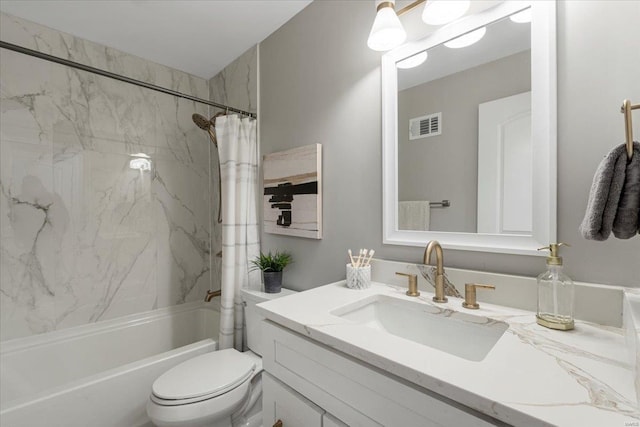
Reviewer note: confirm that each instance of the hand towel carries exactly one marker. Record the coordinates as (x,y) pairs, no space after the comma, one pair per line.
(414,215)
(605,194)
(627,221)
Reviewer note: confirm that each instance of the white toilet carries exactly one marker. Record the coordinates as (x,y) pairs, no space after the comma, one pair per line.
(218,389)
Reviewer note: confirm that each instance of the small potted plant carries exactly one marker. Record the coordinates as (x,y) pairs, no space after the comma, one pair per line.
(272,266)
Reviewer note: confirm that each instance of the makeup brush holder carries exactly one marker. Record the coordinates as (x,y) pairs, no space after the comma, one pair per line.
(358,277)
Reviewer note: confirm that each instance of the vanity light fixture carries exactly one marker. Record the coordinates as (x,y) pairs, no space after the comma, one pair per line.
(412,61)
(467,39)
(387,31)
(521,17)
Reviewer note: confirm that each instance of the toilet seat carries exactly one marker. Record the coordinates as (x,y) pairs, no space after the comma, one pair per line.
(203,377)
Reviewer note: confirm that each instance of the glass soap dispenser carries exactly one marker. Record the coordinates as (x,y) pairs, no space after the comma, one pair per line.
(555,293)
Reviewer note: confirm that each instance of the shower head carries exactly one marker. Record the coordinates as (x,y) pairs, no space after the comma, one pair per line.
(209,125)
(201,121)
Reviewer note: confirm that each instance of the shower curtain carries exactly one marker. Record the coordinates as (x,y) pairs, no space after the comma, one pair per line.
(240,239)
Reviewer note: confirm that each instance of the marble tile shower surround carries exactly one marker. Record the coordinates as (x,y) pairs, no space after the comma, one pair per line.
(237,84)
(82,236)
(38,37)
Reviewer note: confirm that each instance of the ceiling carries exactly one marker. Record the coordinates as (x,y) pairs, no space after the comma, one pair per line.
(200,37)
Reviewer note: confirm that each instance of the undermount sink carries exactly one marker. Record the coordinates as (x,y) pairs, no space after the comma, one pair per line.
(464,335)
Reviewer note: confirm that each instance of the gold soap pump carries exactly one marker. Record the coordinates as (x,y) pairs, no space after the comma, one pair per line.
(555,293)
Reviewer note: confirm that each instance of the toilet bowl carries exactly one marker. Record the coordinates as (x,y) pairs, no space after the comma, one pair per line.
(206,390)
(218,389)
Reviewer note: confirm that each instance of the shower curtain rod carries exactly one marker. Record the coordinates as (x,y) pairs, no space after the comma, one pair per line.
(119,77)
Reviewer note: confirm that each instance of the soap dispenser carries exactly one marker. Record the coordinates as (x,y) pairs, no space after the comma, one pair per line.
(555,293)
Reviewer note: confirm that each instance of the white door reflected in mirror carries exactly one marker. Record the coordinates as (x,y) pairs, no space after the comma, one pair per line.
(504,166)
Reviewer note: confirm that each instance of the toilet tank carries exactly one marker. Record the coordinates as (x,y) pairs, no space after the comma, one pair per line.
(253,319)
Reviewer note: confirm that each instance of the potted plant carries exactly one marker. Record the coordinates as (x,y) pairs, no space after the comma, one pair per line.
(272,266)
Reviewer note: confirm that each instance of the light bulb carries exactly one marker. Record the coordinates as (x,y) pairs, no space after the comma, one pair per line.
(440,12)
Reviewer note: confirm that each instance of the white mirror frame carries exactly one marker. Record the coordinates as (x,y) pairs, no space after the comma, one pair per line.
(543,134)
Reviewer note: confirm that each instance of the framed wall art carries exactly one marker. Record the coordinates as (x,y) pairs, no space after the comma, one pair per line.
(292,193)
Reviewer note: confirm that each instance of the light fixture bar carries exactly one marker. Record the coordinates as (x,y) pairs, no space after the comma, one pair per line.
(410,7)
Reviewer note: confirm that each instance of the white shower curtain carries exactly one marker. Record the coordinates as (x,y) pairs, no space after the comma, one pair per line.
(238,150)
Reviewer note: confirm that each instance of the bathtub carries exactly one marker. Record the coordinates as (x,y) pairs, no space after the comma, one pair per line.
(100,374)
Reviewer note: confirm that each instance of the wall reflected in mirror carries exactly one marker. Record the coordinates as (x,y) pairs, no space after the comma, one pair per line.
(464,134)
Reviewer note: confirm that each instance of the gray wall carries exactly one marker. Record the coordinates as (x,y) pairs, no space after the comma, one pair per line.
(320,83)
(437,159)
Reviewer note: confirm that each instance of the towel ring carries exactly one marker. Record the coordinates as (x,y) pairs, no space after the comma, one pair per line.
(628,124)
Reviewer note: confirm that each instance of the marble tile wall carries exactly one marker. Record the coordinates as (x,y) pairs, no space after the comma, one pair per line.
(237,86)
(83,236)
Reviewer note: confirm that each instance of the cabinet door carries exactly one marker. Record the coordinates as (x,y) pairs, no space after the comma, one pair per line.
(281,403)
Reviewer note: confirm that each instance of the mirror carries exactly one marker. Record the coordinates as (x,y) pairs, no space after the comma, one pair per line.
(469,135)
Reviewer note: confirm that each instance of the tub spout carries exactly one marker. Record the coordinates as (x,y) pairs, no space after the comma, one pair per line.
(211,294)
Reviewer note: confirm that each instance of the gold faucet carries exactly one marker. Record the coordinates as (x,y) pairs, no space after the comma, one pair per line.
(211,294)
(439,297)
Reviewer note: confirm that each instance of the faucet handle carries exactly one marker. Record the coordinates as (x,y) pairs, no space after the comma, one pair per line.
(413,284)
(470,295)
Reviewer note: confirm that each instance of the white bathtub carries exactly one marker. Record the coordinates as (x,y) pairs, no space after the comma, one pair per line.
(101,374)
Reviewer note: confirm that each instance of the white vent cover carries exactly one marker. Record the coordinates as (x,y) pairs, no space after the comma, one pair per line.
(422,127)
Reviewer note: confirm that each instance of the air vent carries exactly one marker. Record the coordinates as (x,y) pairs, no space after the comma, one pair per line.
(422,127)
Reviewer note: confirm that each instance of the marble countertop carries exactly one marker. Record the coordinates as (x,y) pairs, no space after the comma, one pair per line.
(532,376)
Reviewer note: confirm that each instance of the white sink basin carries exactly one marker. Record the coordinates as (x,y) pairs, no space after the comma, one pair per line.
(460,334)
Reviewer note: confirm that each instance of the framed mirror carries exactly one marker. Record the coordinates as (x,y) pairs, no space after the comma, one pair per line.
(469,135)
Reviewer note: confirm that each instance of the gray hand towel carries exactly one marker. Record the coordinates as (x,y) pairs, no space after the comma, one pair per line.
(606,192)
(627,221)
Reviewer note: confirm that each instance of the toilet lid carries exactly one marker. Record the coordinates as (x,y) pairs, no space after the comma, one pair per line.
(210,374)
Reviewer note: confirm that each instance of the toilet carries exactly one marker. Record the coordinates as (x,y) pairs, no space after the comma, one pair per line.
(218,389)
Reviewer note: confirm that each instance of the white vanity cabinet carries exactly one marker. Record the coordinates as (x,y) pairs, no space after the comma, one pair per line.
(281,403)
(314,385)
(284,407)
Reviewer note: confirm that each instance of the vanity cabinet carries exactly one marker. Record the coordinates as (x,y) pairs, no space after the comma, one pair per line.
(324,387)
(284,407)
(281,403)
